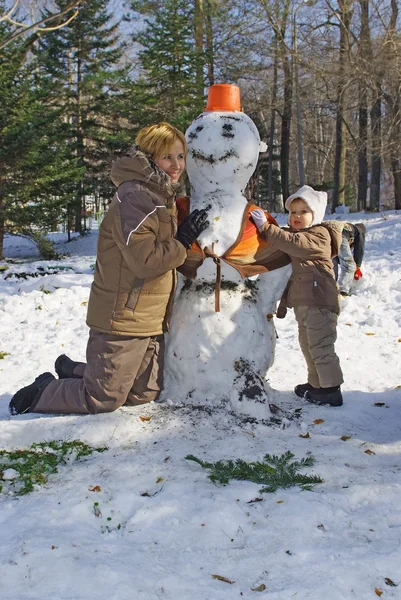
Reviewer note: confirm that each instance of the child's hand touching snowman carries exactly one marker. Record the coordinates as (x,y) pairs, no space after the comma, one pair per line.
(259,217)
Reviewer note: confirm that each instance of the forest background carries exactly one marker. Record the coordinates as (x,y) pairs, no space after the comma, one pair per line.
(320,78)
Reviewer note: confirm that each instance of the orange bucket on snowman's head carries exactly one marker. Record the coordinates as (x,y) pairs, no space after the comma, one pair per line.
(224,97)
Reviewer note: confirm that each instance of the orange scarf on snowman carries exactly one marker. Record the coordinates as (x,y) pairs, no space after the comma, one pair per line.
(249,255)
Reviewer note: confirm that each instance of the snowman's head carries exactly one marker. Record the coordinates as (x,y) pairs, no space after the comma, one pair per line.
(223,150)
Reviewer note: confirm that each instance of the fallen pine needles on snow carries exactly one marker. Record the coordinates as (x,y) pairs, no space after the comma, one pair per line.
(273,473)
(21,470)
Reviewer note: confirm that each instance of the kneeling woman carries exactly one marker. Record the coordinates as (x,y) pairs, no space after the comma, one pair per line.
(139,248)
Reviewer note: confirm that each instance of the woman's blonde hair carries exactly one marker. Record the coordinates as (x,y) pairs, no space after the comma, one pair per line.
(157,140)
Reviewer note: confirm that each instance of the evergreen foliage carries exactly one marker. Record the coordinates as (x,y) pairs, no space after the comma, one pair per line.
(34,465)
(167,88)
(33,166)
(74,98)
(83,63)
(273,472)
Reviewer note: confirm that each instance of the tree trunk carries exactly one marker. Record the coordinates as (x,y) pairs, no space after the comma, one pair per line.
(395,143)
(80,148)
(396,170)
(362,150)
(209,43)
(375,119)
(345,14)
(2,228)
(286,125)
(340,157)
(364,60)
(199,45)
(396,112)
(272,135)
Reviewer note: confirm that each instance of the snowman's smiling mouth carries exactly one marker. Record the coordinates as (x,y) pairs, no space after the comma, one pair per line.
(211,158)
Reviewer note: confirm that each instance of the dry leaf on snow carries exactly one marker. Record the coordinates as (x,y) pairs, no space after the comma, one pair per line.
(145,418)
(369,451)
(318,421)
(305,435)
(344,438)
(378,592)
(94,488)
(260,588)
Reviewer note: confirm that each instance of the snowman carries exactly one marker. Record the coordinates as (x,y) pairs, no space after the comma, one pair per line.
(222,336)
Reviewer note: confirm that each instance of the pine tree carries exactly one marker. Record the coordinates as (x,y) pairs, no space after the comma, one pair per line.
(168,86)
(27,154)
(83,63)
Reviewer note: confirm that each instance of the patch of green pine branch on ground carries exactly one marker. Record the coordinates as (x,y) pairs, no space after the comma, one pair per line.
(273,472)
(21,470)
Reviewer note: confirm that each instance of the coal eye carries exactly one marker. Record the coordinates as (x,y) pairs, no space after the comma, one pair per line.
(227,130)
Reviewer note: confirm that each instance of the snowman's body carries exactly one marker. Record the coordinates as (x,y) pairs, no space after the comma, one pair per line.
(219,358)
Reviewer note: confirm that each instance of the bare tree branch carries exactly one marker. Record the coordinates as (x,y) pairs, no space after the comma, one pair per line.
(10,12)
(37,26)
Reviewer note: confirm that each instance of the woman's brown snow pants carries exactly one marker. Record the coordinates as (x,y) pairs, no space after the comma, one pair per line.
(118,370)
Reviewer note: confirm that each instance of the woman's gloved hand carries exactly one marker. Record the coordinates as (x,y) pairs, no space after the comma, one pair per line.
(358,273)
(259,217)
(191,227)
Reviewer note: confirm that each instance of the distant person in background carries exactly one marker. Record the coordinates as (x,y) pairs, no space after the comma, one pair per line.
(347,265)
(139,247)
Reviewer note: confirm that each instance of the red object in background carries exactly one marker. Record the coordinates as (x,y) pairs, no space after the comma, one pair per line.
(358,273)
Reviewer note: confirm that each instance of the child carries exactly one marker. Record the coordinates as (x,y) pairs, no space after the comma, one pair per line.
(312,290)
(350,255)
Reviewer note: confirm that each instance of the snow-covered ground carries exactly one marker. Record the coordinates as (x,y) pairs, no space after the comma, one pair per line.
(171,529)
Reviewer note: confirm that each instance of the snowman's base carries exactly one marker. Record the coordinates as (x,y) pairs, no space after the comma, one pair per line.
(220,359)
(249,395)
(277,416)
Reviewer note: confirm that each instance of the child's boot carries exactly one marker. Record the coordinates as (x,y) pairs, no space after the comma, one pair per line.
(301,389)
(330,395)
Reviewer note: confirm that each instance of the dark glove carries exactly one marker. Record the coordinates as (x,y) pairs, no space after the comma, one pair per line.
(191,227)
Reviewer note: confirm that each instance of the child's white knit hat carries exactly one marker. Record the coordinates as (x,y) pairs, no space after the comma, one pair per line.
(317,202)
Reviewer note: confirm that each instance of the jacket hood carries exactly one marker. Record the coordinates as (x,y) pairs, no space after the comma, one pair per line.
(335,230)
(317,202)
(139,166)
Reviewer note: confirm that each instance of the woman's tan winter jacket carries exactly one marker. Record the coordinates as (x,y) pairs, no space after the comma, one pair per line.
(137,254)
(312,281)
